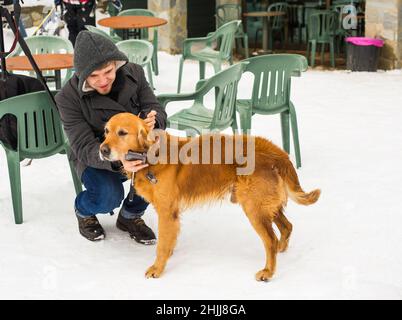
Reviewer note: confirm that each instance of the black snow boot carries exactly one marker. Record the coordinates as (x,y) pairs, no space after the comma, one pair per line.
(137,229)
(90,228)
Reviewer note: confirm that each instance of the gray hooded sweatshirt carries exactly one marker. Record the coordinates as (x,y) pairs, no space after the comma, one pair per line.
(84,112)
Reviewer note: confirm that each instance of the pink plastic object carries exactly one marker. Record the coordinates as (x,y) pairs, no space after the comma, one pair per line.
(363,41)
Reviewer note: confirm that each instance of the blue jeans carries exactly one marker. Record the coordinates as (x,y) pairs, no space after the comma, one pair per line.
(104,192)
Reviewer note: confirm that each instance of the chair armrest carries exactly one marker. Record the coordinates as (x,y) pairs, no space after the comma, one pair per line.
(187,43)
(302,67)
(164,99)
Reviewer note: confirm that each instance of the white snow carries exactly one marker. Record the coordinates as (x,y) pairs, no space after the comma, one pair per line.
(346,246)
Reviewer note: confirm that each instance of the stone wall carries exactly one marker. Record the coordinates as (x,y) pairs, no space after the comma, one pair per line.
(33,16)
(172,34)
(384,20)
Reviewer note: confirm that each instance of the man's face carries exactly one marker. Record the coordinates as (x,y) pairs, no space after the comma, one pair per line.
(102,80)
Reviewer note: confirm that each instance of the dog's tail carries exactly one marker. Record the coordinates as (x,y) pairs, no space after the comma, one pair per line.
(295,191)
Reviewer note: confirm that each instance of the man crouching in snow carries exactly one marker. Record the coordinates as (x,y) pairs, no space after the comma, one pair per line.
(103,85)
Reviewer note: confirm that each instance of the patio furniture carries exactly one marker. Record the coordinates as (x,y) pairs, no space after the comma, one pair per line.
(276,23)
(54,62)
(144,34)
(48,44)
(207,54)
(93,29)
(40,135)
(140,52)
(321,30)
(198,118)
(296,20)
(229,12)
(271,94)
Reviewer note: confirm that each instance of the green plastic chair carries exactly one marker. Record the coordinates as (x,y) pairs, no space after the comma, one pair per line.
(271,94)
(321,30)
(276,23)
(139,52)
(40,135)
(144,34)
(198,118)
(48,44)
(224,35)
(229,12)
(296,17)
(93,29)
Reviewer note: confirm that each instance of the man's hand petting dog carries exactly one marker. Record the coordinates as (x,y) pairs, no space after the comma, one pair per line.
(133,166)
(150,119)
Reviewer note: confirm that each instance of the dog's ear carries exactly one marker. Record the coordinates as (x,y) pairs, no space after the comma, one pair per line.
(145,139)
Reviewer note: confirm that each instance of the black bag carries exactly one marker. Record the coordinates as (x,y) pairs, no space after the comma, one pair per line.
(15,85)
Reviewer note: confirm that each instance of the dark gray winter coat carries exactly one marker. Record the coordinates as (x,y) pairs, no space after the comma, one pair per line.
(84,114)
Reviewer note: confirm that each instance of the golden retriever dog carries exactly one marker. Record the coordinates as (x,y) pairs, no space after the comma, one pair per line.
(262,193)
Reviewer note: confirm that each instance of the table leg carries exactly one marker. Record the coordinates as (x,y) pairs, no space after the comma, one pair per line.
(265,32)
(137,33)
(57,76)
(285,45)
(126,34)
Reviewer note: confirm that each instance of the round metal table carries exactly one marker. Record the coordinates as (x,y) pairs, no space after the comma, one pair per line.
(45,62)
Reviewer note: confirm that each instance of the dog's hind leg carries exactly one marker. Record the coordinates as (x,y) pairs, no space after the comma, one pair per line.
(261,220)
(285,227)
(168,230)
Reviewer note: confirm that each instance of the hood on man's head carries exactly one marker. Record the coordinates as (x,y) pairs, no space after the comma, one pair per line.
(91,52)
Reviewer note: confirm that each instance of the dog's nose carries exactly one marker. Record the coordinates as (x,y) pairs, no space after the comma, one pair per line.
(105,150)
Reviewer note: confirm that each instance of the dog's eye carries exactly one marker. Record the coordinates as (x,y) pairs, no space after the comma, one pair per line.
(106,131)
(122,133)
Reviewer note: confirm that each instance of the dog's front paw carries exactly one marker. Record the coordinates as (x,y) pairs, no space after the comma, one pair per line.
(153,272)
(264,275)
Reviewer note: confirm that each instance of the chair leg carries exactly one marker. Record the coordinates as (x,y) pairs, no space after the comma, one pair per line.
(202,70)
(299,29)
(295,134)
(245,121)
(13,162)
(313,51)
(338,44)
(154,60)
(322,53)
(332,53)
(271,40)
(151,81)
(76,180)
(217,67)
(234,126)
(245,40)
(285,131)
(236,45)
(255,39)
(180,74)
(284,39)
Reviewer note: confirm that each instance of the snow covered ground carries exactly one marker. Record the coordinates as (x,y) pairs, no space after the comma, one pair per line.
(346,246)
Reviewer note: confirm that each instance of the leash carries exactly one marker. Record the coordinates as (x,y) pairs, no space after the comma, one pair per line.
(142,156)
